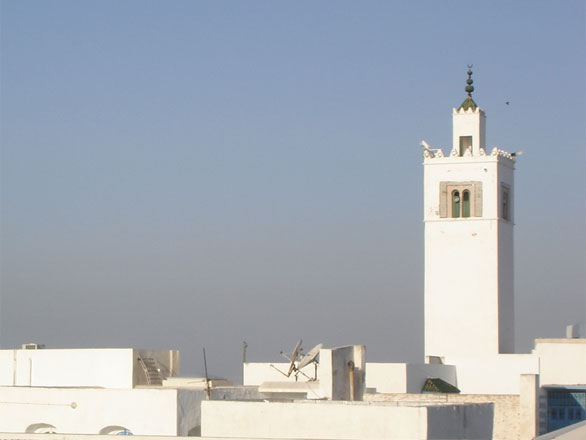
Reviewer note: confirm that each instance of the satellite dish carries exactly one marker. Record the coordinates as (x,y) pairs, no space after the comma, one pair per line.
(309,357)
(293,358)
(305,360)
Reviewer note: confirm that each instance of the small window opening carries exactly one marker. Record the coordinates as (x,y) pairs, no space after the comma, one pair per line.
(41,428)
(115,430)
(466,203)
(455,203)
(505,204)
(465,143)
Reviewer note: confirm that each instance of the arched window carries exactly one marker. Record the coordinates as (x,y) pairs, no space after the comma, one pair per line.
(455,203)
(465,144)
(466,203)
(460,200)
(115,430)
(41,428)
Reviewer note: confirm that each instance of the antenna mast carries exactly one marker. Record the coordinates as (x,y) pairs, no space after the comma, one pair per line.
(205,365)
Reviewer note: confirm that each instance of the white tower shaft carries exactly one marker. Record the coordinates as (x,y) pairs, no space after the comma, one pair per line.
(468,215)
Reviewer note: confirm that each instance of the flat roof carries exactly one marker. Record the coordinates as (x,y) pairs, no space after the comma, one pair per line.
(560,341)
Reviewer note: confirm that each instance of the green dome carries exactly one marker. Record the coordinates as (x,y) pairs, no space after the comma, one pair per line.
(468,103)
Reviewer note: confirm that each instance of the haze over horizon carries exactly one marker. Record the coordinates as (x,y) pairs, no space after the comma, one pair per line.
(196,174)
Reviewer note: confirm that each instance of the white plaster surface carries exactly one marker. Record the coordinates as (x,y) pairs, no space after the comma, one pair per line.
(500,374)
(464,280)
(469,298)
(335,375)
(194,382)
(89,410)
(386,377)
(562,361)
(189,404)
(345,420)
(291,390)
(106,368)
(529,406)
(469,123)
(255,373)
(144,411)
(506,408)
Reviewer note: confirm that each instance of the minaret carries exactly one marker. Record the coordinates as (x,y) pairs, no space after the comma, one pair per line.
(468,215)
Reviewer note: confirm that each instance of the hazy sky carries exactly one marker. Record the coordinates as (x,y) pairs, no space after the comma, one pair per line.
(193,174)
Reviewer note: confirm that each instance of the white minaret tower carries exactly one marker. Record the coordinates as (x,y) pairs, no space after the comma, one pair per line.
(468,215)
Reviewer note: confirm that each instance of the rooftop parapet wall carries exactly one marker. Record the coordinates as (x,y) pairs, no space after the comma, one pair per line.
(90,410)
(562,361)
(506,407)
(346,420)
(105,368)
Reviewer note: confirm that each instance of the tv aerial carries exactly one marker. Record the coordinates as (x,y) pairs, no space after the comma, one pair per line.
(304,361)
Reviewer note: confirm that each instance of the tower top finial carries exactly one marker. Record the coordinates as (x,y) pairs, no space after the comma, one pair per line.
(469,88)
(469,102)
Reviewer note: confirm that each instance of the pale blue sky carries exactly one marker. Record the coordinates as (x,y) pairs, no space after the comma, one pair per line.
(198,173)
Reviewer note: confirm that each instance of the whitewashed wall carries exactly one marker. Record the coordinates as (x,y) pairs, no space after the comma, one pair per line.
(89,410)
(506,422)
(335,375)
(386,377)
(108,368)
(563,361)
(468,263)
(345,420)
(255,373)
(92,367)
(499,374)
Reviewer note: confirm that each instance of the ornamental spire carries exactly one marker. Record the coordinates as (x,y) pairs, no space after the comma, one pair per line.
(469,102)
(469,88)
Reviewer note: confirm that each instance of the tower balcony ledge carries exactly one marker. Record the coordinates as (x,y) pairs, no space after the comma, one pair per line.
(496,153)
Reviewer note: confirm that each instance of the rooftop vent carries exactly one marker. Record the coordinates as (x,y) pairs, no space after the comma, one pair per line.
(573,331)
(31,346)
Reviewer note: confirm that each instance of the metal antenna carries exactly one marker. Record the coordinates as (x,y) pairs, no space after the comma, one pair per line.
(205,365)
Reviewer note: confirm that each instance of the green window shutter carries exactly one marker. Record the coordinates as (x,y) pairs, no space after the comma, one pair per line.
(456,204)
(466,203)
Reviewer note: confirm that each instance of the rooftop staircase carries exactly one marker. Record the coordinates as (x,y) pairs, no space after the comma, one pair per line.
(151,369)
